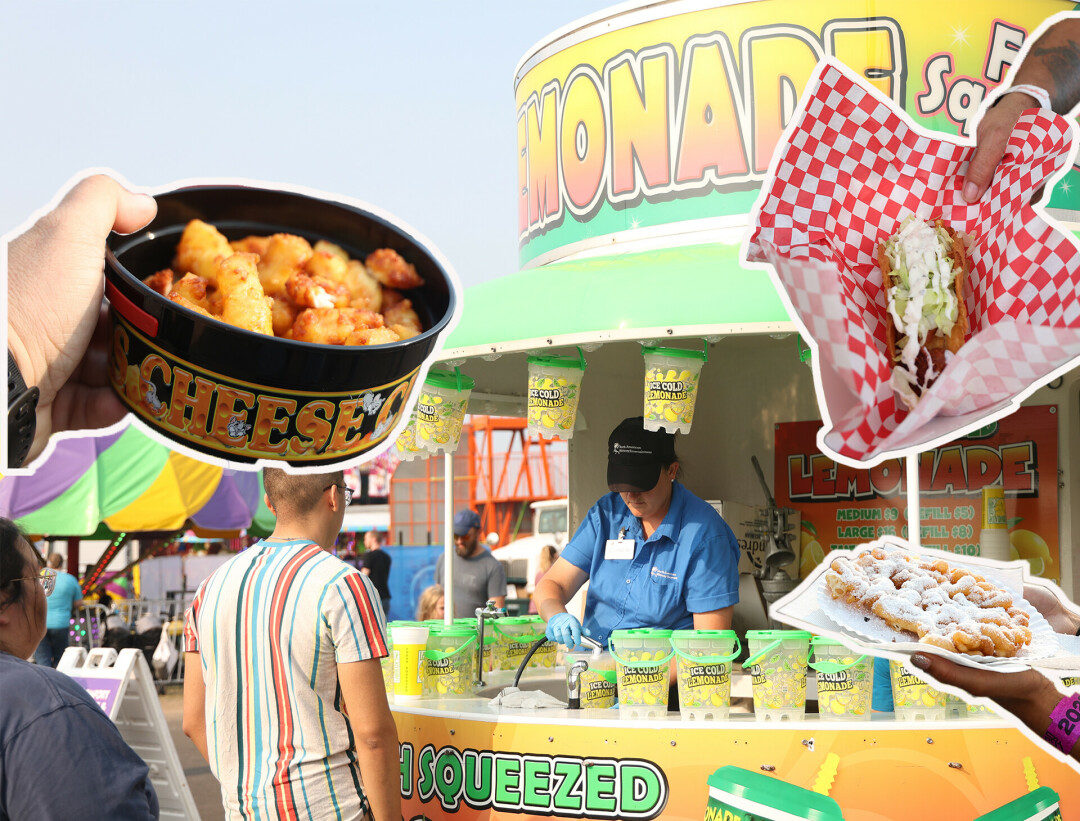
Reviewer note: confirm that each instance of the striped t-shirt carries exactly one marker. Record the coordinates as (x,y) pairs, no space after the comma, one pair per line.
(271,625)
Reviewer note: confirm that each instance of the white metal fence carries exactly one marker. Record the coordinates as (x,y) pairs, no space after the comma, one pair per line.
(135,623)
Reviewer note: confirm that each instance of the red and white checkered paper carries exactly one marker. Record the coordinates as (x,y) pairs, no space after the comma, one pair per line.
(853,168)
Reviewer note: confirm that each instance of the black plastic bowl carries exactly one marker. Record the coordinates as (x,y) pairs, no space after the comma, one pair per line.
(244,396)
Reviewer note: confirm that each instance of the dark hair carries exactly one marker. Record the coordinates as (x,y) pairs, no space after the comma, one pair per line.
(12,562)
(291,495)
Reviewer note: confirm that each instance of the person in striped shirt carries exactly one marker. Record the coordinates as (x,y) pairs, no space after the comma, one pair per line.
(283,693)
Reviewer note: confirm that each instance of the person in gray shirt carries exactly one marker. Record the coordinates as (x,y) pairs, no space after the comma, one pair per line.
(478,576)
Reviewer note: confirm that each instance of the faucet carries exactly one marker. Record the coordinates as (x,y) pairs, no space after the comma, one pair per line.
(487,612)
(573,683)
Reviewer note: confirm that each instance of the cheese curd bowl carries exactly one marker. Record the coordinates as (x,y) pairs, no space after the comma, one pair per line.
(247,397)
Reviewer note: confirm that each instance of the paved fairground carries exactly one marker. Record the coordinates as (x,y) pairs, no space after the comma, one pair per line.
(204,787)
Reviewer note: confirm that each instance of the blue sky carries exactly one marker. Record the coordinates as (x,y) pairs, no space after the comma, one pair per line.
(406,105)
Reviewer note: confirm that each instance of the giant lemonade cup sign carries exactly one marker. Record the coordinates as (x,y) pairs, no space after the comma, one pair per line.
(671,386)
(440,412)
(554,388)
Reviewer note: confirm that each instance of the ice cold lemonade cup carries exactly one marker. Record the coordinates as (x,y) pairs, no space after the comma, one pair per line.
(440,411)
(642,659)
(704,660)
(409,645)
(845,680)
(406,447)
(516,635)
(451,661)
(554,388)
(777,665)
(671,384)
(913,698)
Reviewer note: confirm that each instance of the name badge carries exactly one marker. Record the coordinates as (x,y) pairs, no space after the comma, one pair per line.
(619,549)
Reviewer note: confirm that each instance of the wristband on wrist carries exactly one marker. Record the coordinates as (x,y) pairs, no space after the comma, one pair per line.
(1064,729)
(22,415)
(1040,94)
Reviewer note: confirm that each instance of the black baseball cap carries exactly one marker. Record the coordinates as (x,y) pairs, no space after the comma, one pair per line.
(636,456)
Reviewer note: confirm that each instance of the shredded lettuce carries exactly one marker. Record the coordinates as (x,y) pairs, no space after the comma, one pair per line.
(923,298)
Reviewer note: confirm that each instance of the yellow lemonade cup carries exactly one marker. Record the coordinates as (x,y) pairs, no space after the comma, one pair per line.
(913,698)
(450,657)
(704,660)
(845,680)
(405,446)
(642,659)
(777,665)
(409,645)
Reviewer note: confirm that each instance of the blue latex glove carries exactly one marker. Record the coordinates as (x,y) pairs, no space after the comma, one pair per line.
(564,629)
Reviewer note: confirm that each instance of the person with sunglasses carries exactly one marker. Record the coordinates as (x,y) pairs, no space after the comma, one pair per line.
(283,690)
(60,755)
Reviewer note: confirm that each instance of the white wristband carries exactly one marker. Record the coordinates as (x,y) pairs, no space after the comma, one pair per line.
(1040,94)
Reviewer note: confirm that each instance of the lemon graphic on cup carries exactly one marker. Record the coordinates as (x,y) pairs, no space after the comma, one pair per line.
(1032,547)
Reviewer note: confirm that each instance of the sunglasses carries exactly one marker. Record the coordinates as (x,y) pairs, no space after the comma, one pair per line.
(47,577)
(346,488)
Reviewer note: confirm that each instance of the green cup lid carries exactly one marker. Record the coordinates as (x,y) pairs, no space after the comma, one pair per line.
(829,642)
(453,631)
(649,350)
(703,634)
(449,380)
(774,635)
(641,633)
(1026,807)
(514,620)
(557,361)
(774,793)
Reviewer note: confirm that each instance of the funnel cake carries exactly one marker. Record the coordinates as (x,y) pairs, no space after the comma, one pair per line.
(944,606)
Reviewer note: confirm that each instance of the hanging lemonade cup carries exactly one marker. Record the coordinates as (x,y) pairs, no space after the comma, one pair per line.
(440,411)
(704,660)
(406,446)
(777,665)
(642,659)
(451,661)
(671,384)
(845,680)
(554,388)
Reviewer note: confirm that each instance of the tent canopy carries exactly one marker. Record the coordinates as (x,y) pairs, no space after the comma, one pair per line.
(124,481)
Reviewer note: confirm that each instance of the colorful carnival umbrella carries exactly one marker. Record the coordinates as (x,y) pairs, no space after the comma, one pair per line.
(124,481)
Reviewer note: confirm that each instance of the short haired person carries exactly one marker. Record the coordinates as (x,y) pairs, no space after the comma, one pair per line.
(65,597)
(655,555)
(283,692)
(60,755)
(375,563)
(478,576)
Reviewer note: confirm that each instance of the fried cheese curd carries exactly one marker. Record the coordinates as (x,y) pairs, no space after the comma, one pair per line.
(943,606)
(282,286)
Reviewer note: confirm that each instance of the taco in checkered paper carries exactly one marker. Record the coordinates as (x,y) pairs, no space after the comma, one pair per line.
(923,267)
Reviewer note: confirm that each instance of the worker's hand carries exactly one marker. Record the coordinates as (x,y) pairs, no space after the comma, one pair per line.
(564,629)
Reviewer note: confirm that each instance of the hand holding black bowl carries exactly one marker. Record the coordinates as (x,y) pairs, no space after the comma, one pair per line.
(56,326)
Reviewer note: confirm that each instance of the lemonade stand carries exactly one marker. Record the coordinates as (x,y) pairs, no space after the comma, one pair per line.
(641,148)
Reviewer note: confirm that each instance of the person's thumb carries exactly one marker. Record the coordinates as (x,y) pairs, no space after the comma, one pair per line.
(99,204)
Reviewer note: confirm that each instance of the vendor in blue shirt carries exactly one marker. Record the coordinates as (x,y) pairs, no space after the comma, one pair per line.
(655,555)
